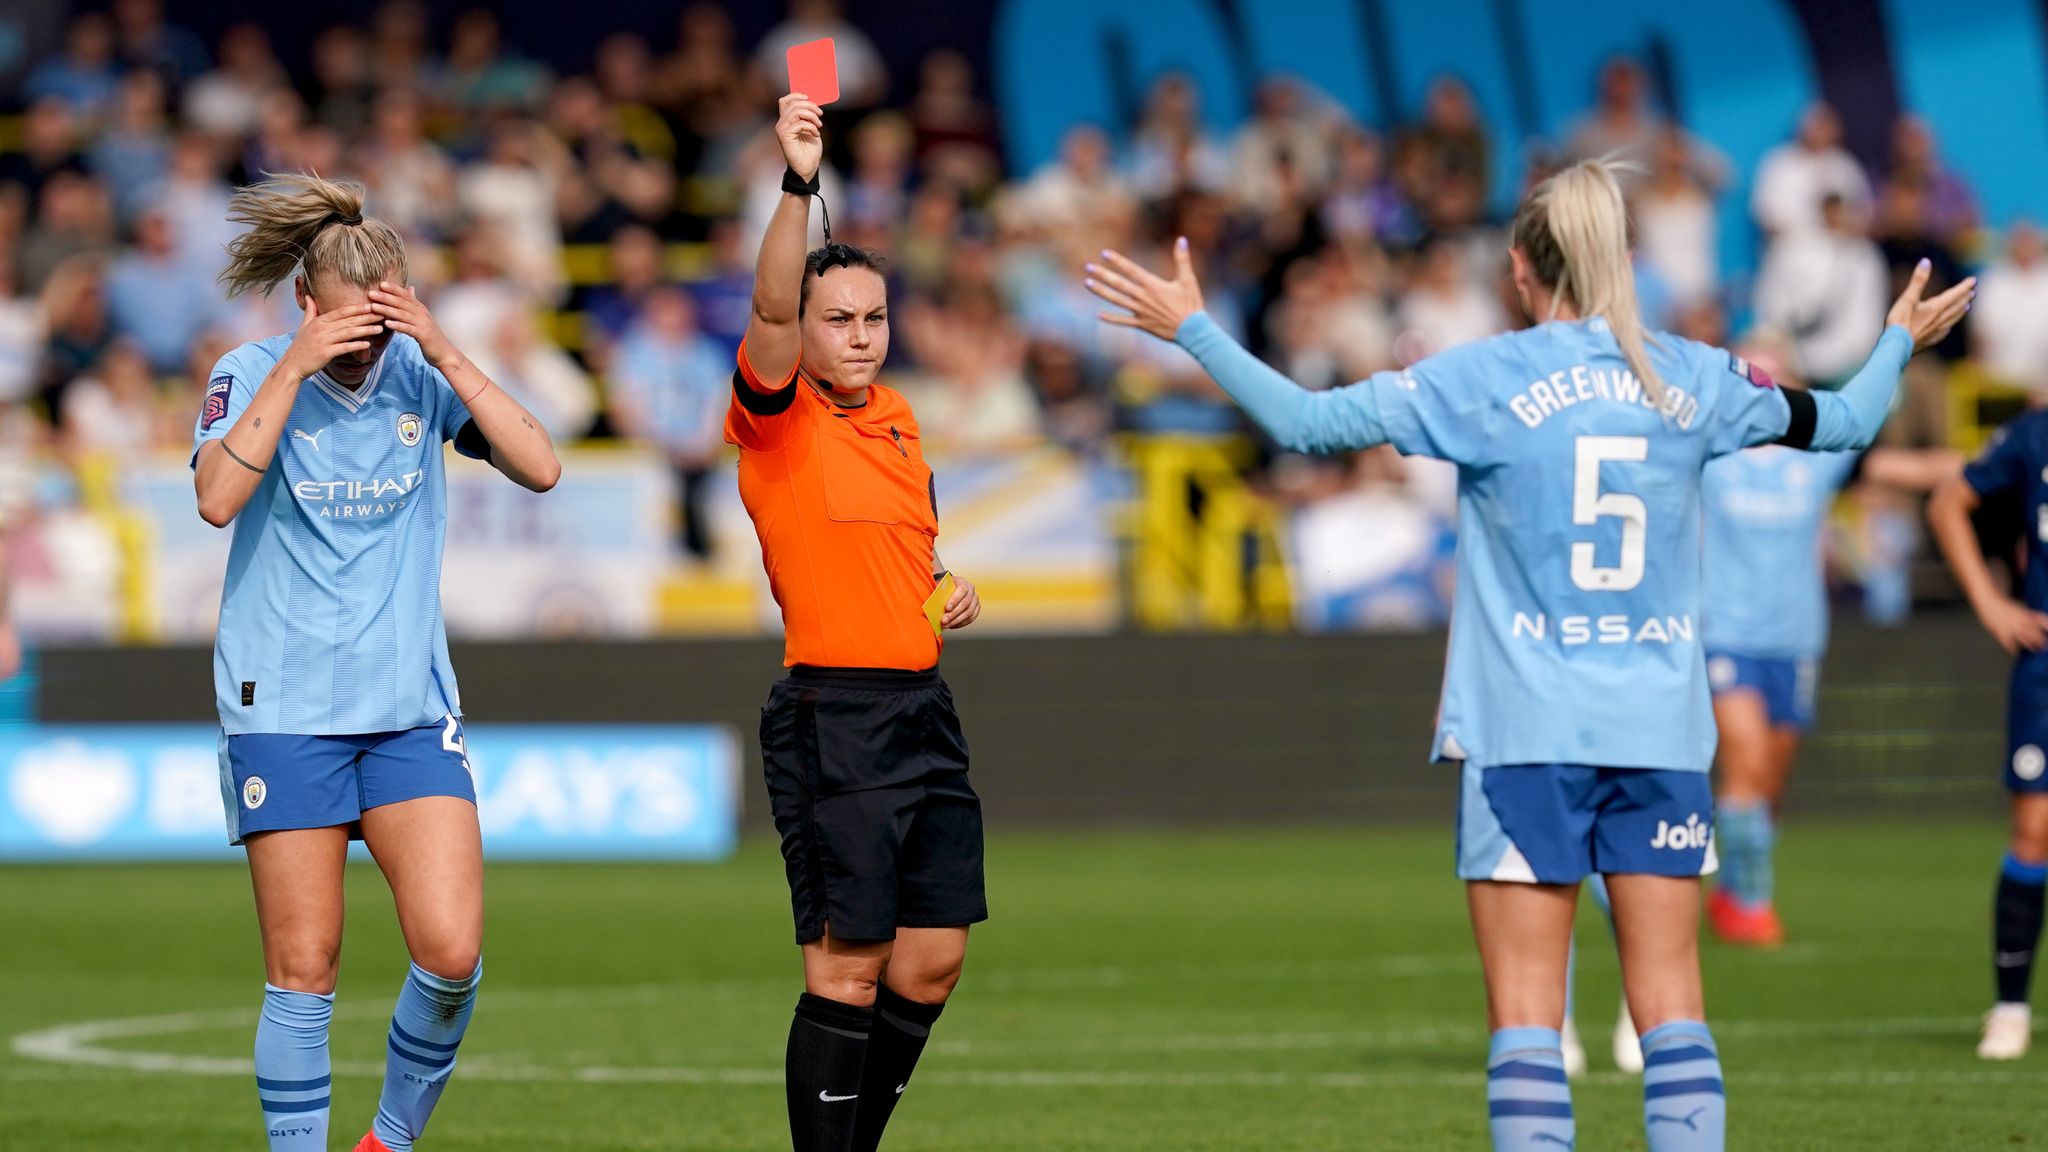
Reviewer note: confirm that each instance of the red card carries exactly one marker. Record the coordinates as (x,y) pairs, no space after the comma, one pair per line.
(814,71)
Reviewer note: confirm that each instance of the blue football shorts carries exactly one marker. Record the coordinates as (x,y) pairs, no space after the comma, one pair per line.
(1787,686)
(1559,823)
(273,781)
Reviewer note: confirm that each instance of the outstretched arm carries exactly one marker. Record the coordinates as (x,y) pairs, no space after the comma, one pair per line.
(1339,420)
(1851,417)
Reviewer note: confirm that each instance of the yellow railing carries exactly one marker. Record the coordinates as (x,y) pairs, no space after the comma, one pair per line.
(1978,402)
(99,475)
(1203,548)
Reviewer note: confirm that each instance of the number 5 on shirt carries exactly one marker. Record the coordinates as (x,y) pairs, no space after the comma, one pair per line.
(814,71)
(1590,504)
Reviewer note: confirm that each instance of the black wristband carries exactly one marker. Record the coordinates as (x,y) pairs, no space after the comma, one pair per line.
(796,185)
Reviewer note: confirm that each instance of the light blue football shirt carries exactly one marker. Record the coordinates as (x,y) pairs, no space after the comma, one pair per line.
(1575,634)
(1575,628)
(330,619)
(1762,592)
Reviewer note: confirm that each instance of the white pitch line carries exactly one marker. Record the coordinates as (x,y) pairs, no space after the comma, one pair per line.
(81,1046)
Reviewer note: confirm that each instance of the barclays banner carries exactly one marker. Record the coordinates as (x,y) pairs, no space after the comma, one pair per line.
(544,792)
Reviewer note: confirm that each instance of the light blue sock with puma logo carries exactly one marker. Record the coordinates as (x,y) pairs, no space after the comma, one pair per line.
(1685,1108)
(1528,1102)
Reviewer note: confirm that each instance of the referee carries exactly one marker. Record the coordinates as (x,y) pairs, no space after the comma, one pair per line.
(866,765)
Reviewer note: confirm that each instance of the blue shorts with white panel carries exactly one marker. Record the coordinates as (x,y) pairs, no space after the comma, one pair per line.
(275,781)
(1559,823)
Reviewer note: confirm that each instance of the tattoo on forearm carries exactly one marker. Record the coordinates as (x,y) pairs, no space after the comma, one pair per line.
(525,421)
(259,422)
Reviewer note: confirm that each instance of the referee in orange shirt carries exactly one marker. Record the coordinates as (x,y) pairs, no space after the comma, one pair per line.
(866,764)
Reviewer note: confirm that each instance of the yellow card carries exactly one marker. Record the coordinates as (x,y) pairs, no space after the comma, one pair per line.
(935,604)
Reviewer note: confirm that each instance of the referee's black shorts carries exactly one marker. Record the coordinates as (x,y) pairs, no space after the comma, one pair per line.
(867,778)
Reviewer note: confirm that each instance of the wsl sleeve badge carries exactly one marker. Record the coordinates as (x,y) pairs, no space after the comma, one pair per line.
(216,401)
(1750,372)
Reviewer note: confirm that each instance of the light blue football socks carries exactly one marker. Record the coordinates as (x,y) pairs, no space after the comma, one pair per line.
(1528,1102)
(293,1076)
(426,1028)
(1685,1107)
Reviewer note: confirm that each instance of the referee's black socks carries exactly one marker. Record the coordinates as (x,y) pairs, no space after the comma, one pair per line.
(828,1044)
(901,1028)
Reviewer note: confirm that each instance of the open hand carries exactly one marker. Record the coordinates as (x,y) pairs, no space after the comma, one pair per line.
(1154,305)
(963,607)
(401,311)
(800,126)
(1930,320)
(323,336)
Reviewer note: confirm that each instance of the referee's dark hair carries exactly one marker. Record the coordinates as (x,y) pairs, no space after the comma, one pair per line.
(836,255)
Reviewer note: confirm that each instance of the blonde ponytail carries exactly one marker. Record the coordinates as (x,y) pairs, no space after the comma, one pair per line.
(1573,228)
(303,221)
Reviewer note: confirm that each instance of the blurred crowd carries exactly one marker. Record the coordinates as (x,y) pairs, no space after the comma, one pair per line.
(1333,248)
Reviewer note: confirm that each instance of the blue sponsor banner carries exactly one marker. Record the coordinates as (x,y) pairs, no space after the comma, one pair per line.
(544,792)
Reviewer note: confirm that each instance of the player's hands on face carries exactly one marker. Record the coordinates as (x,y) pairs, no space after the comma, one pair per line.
(2016,627)
(1930,320)
(963,607)
(401,311)
(800,126)
(323,336)
(1155,305)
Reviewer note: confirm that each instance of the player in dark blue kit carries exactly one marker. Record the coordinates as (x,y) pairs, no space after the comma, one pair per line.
(339,713)
(2015,466)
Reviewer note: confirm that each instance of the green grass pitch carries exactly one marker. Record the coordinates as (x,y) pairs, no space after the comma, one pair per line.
(1157,990)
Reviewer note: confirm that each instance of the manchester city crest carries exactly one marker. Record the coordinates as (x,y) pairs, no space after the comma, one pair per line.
(409,428)
(253,792)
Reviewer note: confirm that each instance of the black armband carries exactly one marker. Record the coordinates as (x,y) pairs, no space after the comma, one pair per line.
(762,403)
(796,185)
(1805,415)
(471,442)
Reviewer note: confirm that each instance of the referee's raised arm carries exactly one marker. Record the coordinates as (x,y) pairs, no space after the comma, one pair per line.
(773,342)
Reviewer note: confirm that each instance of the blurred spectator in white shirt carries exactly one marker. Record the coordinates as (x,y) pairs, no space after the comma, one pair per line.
(228,101)
(1170,151)
(511,189)
(2010,317)
(1796,176)
(1829,288)
(1676,230)
(114,408)
(863,78)
(1282,152)
(411,179)
(1623,124)
(1444,306)
(1079,189)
